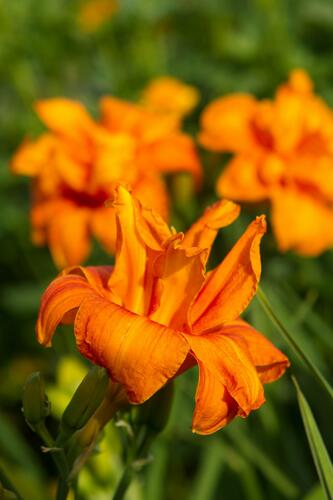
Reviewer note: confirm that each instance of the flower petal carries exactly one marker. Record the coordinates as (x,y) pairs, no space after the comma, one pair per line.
(176,153)
(301,222)
(203,232)
(214,407)
(138,353)
(268,360)
(32,156)
(231,366)
(103,226)
(65,117)
(68,235)
(151,191)
(226,123)
(65,294)
(137,237)
(240,179)
(181,274)
(230,286)
(168,94)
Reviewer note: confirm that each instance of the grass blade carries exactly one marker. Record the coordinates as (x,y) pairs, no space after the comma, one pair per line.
(318,449)
(294,345)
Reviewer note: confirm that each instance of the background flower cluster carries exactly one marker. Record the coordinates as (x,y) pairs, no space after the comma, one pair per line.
(49,49)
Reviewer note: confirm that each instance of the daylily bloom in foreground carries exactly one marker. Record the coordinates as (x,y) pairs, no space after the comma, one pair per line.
(158,313)
(75,164)
(283,153)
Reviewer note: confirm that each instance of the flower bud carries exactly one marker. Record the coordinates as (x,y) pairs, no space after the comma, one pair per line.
(36,406)
(156,411)
(87,398)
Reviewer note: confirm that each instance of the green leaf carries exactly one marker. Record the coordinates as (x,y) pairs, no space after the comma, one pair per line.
(319,452)
(295,346)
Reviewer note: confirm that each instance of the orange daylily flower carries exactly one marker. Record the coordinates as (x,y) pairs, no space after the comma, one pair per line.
(158,313)
(76,163)
(283,153)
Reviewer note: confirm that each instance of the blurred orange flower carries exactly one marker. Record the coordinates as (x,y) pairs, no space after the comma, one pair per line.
(94,13)
(170,95)
(157,312)
(283,153)
(76,163)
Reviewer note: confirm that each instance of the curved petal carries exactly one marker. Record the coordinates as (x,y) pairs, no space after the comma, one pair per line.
(268,360)
(31,157)
(226,123)
(214,407)
(138,353)
(223,359)
(65,294)
(68,235)
(167,94)
(203,232)
(151,191)
(138,236)
(240,180)
(65,117)
(230,287)
(176,153)
(301,222)
(119,115)
(104,227)
(181,275)
(143,124)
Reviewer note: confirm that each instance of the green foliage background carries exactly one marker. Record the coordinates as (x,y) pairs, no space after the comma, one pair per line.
(219,46)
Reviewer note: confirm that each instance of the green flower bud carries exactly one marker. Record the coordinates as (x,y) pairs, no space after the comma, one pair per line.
(156,411)
(36,406)
(87,398)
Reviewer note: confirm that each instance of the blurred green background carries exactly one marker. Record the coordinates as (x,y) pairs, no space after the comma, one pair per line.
(220,46)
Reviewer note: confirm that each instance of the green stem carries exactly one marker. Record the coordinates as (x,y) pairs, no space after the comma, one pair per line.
(59,459)
(62,490)
(58,456)
(124,483)
(289,339)
(139,449)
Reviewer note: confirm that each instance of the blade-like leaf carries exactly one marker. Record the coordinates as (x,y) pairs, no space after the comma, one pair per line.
(295,346)
(319,452)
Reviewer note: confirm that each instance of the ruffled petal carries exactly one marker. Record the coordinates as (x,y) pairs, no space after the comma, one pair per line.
(220,357)
(301,222)
(203,232)
(176,153)
(169,95)
(151,191)
(31,156)
(230,287)
(103,227)
(268,360)
(241,180)
(65,294)
(214,407)
(138,353)
(226,123)
(119,115)
(65,117)
(68,235)
(140,233)
(181,274)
